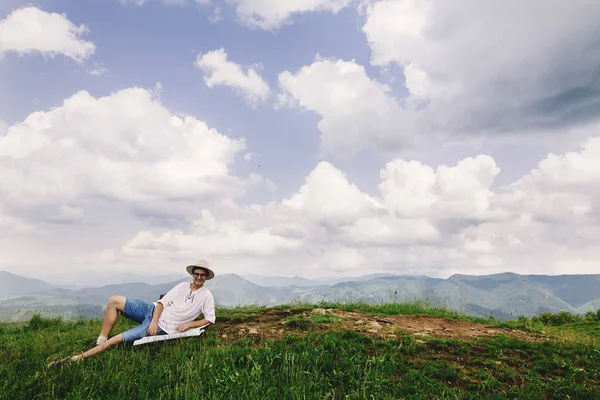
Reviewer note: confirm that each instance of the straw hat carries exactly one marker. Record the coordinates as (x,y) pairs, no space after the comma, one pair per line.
(201,264)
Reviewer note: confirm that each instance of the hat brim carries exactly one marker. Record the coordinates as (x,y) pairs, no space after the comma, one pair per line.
(210,273)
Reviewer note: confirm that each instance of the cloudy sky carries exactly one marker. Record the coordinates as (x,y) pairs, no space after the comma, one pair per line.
(301,137)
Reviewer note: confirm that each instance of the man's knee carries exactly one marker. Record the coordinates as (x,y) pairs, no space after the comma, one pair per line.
(114,340)
(117,302)
(134,334)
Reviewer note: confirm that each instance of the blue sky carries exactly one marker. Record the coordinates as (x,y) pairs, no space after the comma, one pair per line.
(415,137)
(141,46)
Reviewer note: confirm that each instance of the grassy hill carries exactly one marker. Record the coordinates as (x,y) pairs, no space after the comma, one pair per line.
(337,351)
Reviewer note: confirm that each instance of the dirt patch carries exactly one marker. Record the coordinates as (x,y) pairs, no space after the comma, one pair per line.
(276,323)
(424,326)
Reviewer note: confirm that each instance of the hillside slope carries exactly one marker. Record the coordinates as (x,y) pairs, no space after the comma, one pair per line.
(15,285)
(298,352)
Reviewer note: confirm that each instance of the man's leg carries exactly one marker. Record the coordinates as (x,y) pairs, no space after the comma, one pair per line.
(93,351)
(113,306)
(138,310)
(100,348)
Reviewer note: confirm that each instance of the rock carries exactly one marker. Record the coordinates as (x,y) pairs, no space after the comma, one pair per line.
(472,328)
(253,331)
(421,334)
(372,330)
(360,321)
(392,336)
(224,335)
(319,311)
(375,325)
(498,362)
(490,331)
(447,330)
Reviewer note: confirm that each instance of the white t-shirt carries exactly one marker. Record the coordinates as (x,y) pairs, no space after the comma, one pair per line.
(183,305)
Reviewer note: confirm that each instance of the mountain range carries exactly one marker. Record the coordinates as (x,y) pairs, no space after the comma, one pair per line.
(505,295)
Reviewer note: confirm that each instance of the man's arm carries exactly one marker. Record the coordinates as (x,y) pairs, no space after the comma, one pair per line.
(153,328)
(193,324)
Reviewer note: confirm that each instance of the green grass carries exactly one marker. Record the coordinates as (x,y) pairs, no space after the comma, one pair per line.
(299,322)
(324,319)
(316,363)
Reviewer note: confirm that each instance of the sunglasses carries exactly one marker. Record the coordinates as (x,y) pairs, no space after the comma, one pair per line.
(197,275)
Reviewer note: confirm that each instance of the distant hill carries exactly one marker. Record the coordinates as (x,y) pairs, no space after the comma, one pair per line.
(378,290)
(280,281)
(514,294)
(504,295)
(94,278)
(15,285)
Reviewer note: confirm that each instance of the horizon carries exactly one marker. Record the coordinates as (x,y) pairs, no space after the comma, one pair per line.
(322,138)
(251,277)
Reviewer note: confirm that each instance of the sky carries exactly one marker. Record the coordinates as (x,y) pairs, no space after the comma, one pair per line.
(311,138)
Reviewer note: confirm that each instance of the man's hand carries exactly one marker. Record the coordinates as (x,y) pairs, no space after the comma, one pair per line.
(183,327)
(153,328)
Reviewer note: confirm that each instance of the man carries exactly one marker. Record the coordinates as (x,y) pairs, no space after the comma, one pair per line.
(175,312)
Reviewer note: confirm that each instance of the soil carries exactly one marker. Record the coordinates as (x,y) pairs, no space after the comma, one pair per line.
(275,323)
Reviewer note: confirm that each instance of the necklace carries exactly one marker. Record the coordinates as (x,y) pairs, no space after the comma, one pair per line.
(190,297)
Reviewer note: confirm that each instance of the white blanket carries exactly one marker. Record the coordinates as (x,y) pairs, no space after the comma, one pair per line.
(189,333)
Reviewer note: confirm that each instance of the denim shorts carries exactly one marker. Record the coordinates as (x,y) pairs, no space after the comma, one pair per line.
(140,311)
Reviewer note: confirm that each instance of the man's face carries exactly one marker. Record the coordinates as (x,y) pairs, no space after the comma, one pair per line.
(199,276)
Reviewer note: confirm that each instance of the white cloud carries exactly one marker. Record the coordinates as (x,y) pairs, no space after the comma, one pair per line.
(328,196)
(31,29)
(67,215)
(466,76)
(11,226)
(270,15)
(134,2)
(126,147)
(216,15)
(424,221)
(388,230)
(478,75)
(572,169)
(563,189)
(166,2)
(356,111)
(341,259)
(411,189)
(212,237)
(328,216)
(98,70)
(219,71)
